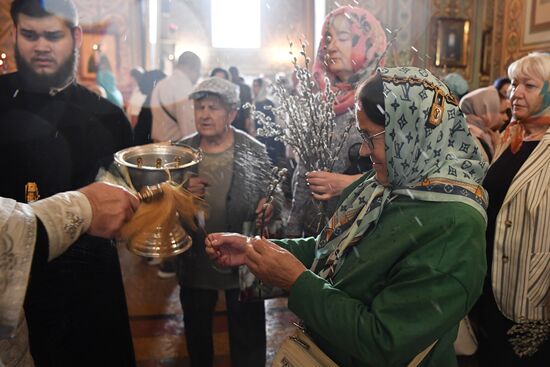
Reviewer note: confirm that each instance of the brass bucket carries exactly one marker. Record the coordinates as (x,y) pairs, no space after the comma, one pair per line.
(149,165)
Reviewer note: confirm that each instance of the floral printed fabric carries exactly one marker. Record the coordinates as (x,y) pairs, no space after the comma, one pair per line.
(368,47)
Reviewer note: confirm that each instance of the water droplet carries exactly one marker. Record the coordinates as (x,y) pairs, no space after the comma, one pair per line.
(410,193)
(436,306)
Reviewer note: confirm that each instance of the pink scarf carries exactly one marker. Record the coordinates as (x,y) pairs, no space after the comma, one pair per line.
(369,42)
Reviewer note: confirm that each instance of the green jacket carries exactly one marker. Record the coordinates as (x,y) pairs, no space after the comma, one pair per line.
(406,284)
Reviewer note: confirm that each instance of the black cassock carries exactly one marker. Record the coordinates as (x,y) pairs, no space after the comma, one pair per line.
(75,306)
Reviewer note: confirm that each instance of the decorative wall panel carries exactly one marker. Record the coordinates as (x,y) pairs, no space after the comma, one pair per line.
(113,19)
(410,19)
(6,39)
(186,26)
(518,37)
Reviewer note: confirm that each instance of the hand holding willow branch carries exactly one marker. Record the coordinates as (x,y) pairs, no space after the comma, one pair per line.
(306,121)
(279,175)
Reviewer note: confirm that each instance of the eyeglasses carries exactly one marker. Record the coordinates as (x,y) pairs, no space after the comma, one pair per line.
(368,139)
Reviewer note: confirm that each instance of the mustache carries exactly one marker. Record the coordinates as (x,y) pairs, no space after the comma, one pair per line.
(42,58)
(42,83)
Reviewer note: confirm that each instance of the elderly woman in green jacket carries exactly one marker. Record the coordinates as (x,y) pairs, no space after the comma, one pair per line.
(402,260)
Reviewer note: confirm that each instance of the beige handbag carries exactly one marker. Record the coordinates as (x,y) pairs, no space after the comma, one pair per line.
(466,341)
(299,350)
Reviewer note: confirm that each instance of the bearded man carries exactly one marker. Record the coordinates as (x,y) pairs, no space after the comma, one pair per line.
(54,137)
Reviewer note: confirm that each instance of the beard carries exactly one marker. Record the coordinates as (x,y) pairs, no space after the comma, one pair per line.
(42,83)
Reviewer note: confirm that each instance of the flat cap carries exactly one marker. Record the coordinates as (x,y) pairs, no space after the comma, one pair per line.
(228,91)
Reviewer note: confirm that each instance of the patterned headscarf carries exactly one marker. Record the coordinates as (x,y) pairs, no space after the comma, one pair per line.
(482,110)
(482,107)
(430,156)
(368,46)
(530,66)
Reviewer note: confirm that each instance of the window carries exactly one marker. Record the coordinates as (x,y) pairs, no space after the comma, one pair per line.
(236,23)
(320,9)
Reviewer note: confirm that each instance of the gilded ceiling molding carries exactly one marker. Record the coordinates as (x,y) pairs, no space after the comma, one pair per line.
(498,33)
(511,32)
(6,38)
(512,47)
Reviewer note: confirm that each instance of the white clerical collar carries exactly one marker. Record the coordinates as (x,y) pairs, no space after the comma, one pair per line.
(54,91)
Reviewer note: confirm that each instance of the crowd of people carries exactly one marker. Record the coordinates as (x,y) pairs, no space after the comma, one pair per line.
(438,205)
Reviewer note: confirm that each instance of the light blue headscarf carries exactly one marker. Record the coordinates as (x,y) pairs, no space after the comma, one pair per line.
(430,154)
(106,80)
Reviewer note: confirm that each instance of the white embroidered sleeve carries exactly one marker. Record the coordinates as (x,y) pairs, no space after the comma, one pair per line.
(17,237)
(66,216)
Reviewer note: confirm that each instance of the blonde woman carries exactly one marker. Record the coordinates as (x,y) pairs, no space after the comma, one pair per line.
(515,305)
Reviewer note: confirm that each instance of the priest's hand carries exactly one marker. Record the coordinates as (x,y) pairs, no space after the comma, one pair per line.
(112,206)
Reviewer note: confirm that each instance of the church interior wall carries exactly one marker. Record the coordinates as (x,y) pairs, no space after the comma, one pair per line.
(500,32)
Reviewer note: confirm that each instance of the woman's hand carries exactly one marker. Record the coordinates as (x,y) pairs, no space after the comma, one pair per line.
(269,262)
(273,264)
(326,185)
(227,249)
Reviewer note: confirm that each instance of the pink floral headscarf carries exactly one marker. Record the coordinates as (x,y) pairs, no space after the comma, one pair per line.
(369,44)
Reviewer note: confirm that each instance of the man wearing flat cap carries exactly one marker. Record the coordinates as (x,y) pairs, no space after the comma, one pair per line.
(232,178)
